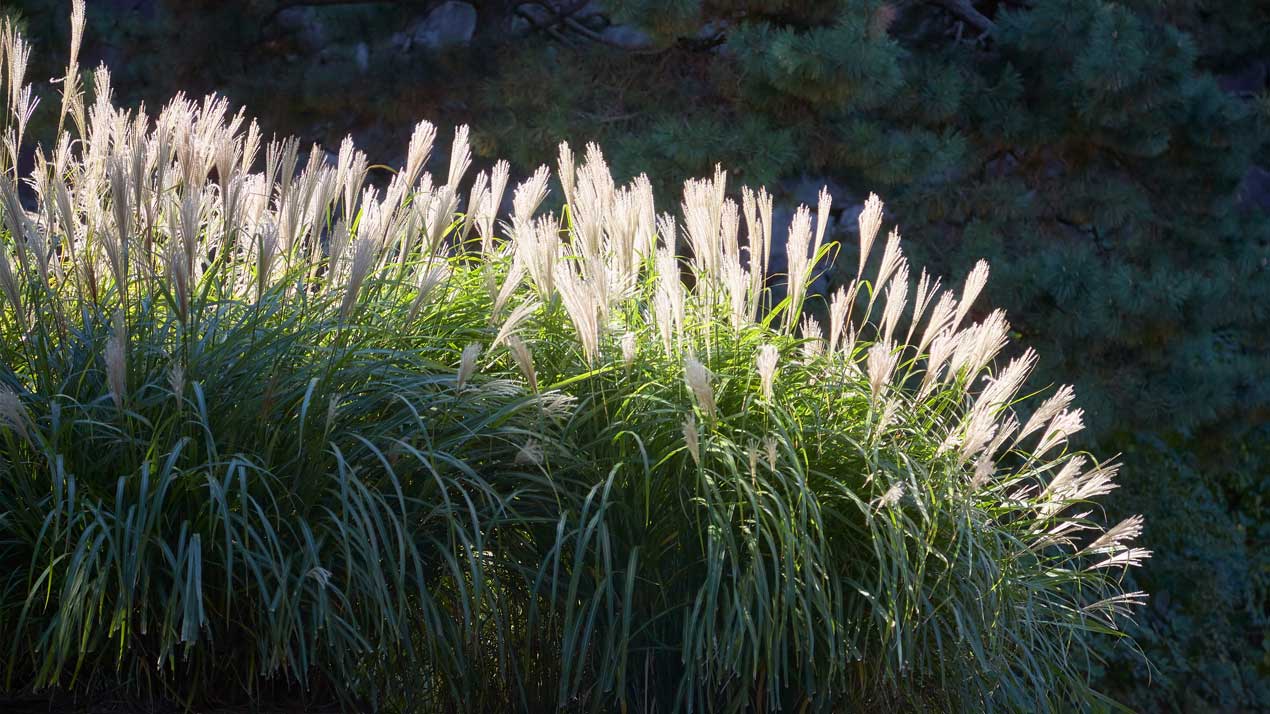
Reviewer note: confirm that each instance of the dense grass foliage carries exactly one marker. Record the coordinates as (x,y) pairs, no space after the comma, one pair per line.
(264,425)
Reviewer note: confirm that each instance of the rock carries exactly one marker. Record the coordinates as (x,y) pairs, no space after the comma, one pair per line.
(450,24)
(806,189)
(627,37)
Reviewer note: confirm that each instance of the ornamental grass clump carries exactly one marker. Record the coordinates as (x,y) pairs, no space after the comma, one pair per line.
(266,427)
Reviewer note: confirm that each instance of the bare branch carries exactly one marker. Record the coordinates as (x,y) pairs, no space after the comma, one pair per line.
(966,11)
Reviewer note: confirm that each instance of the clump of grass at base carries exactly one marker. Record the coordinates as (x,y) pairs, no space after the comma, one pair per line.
(263,426)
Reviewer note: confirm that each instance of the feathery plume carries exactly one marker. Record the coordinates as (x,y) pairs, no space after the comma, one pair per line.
(870,222)
(848,347)
(976,430)
(925,294)
(896,300)
(427,278)
(582,304)
(1070,485)
(9,284)
(892,258)
(668,300)
(363,257)
(980,429)
(1098,481)
(702,209)
(628,349)
(530,453)
(179,277)
(1061,532)
(512,279)
(758,243)
(1061,487)
(697,378)
(524,361)
(729,231)
(1063,425)
(467,363)
(839,306)
(940,318)
(538,248)
(766,363)
(893,496)
(266,251)
(1114,607)
(117,359)
(799,262)
(176,379)
(692,438)
(475,203)
(978,345)
(941,349)
(527,197)
(460,157)
(1113,539)
(881,365)
(736,283)
(566,168)
(72,98)
(813,338)
(663,318)
(333,404)
(823,204)
(1005,429)
(984,468)
(493,200)
(970,292)
(13,413)
(513,321)
(1128,558)
(1048,410)
(1005,386)
(419,150)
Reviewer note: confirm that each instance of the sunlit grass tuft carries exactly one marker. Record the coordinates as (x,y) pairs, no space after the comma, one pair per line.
(264,425)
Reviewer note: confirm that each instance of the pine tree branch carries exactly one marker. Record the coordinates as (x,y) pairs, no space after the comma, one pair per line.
(966,11)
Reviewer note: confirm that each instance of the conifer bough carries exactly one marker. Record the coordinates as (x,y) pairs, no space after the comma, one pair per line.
(265,426)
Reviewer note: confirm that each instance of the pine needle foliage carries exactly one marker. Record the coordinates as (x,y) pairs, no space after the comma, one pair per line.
(263,425)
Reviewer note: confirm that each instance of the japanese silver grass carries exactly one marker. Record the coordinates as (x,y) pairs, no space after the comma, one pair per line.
(684,498)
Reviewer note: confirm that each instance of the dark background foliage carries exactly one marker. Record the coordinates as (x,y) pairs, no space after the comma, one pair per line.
(1110,159)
